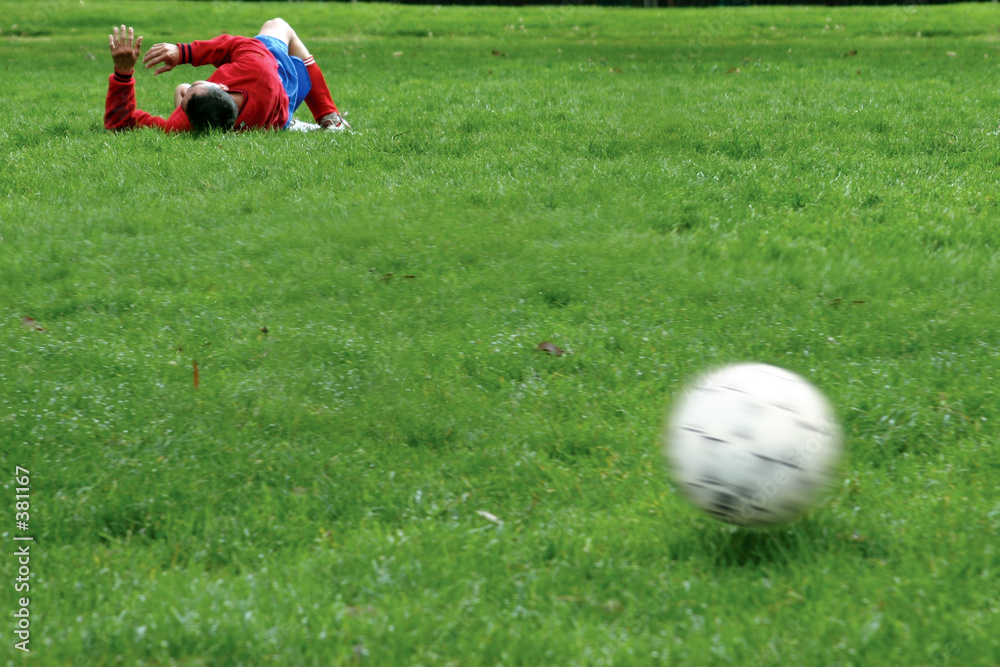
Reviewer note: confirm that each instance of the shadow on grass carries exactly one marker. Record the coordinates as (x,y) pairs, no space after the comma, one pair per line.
(744,547)
(753,548)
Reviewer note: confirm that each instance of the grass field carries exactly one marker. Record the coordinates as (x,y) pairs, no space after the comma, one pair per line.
(378,467)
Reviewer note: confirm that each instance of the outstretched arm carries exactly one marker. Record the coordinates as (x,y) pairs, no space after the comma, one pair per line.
(124,49)
(217,52)
(120,111)
(168,56)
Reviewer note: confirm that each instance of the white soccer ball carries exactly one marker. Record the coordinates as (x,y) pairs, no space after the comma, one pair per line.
(753,444)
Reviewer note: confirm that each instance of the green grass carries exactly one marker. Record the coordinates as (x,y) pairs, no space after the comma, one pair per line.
(602,179)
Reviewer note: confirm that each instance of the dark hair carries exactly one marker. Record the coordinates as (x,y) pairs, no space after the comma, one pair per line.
(212,109)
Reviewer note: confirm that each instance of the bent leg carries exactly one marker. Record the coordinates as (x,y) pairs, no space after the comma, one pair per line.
(319,100)
(280,29)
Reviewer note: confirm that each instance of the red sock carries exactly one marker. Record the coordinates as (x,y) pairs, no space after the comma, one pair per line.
(319,100)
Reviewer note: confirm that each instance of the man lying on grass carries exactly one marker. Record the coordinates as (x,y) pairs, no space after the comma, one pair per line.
(259,83)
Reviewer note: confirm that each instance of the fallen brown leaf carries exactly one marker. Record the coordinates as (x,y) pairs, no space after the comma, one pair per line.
(733,70)
(615,70)
(360,610)
(546,346)
(30,323)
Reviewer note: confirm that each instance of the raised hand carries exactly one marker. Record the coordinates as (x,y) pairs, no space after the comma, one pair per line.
(124,49)
(167,54)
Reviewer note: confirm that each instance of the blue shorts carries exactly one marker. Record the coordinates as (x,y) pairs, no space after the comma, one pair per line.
(292,71)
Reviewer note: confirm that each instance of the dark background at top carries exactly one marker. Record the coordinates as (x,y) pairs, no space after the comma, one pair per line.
(658,3)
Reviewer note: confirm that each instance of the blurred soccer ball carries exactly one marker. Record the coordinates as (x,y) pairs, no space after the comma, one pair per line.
(753,444)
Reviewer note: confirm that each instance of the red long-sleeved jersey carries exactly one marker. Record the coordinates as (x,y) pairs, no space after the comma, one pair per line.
(244,65)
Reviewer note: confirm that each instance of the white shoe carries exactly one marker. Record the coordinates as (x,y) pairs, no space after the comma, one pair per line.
(332,122)
(299,126)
